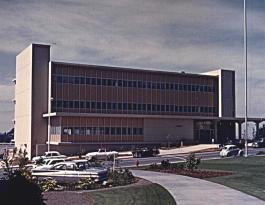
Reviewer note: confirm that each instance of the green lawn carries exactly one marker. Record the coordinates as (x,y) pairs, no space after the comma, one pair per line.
(149,194)
(249,174)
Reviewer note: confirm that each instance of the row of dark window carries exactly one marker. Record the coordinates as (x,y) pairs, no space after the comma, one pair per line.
(88,131)
(132,83)
(131,107)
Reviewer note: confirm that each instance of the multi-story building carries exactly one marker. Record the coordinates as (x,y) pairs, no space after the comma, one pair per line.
(85,107)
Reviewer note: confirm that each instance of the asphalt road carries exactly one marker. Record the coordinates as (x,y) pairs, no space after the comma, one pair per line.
(131,162)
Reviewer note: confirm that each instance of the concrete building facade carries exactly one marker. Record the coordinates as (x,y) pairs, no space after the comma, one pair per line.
(85,107)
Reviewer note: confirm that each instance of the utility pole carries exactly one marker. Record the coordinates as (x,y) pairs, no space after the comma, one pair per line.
(246,75)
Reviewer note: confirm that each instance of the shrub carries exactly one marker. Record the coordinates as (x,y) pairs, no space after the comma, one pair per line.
(165,164)
(154,166)
(192,162)
(49,184)
(121,177)
(87,184)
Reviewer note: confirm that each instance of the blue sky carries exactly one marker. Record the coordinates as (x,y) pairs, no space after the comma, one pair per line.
(190,35)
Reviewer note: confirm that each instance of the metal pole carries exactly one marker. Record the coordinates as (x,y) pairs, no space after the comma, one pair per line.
(246,75)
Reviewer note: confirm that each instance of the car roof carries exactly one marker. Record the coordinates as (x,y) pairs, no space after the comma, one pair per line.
(230,145)
(66,163)
(51,152)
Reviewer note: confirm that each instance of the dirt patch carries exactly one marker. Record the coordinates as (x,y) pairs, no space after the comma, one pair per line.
(201,174)
(208,150)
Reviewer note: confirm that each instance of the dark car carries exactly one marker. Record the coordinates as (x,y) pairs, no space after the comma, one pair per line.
(239,143)
(145,152)
(259,143)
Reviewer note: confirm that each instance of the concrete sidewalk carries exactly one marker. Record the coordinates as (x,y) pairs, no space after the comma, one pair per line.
(188,149)
(192,191)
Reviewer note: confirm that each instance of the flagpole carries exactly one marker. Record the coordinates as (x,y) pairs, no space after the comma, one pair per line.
(246,75)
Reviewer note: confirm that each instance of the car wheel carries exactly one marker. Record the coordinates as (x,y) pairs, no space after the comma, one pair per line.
(241,154)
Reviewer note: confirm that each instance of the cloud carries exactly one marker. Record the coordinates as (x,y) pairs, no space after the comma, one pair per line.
(191,35)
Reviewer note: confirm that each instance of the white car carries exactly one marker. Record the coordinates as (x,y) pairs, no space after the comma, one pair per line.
(101,155)
(231,150)
(48,155)
(70,172)
(47,164)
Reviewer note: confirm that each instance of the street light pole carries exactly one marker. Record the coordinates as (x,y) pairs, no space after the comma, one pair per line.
(246,75)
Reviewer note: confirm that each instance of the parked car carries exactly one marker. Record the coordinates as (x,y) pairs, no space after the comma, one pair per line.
(240,143)
(259,143)
(101,155)
(72,171)
(231,150)
(47,155)
(47,163)
(145,152)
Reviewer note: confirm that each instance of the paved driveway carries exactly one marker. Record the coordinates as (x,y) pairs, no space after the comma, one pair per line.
(192,191)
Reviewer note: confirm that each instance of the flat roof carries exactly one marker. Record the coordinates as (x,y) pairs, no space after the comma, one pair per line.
(117,68)
(235,119)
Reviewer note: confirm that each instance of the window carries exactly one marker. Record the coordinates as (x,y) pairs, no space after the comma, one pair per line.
(88,81)
(144,107)
(114,106)
(106,131)
(158,108)
(153,108)
(76,80)
(71,80)
(76,105)
(65,79)
(109,81)
(118,131)
(104,82)
(163,108)
(176,86)
(134,131)
(130,84)
(180,108)
(88,105)
(120,83)
(193,88)
(82,104)
(149,84)
(163,86)
(119,106)
(59,104)
(59,79)
(180,87)
(167,86)
(67,131)
(129,131)
(93,81)
(185,87)
(93,105)
(167,108)
(88,131)
(125,107)
(82,131)
(172,86)
(82,80)
(112,131)
(65,104)
(158,85)
(139,107)
(124,131)
(134,107)
(109,106)
(125,84)
(140,84)
(98,105)
(176,108)
(149,107)
(98,81)
(76,131)
(71,104)
(171,108)
(135,84)
(129,106)
(103,105)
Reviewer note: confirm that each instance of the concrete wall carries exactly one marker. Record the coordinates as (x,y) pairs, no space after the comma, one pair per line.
(31,94)
(163,130)
(23,97)
(227,102)
(40,71)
